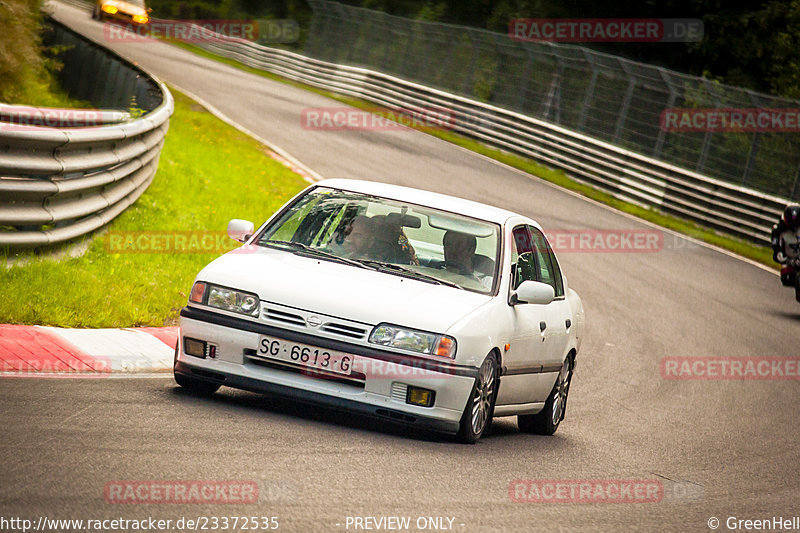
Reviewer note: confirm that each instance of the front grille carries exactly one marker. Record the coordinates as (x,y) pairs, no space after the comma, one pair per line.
(287,318)
(344,330)
(396,415)
(281,315)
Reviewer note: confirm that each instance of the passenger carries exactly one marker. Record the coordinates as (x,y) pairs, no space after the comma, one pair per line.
(407,252)
(391,244)
(459,256)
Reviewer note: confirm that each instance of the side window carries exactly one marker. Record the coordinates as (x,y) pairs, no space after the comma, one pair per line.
(550,272)
(523,259)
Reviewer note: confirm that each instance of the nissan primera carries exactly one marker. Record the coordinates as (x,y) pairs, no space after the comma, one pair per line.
(415,307)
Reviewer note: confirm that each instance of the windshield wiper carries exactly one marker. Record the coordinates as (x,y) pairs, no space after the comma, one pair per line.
(409,272)
(299,246)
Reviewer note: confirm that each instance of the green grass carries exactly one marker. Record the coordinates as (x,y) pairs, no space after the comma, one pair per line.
(761,254)
(208,174)
(36,92)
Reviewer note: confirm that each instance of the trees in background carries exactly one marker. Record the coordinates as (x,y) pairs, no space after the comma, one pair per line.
(749,43)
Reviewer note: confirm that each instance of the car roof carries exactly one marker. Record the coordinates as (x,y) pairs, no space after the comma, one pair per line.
(425,198)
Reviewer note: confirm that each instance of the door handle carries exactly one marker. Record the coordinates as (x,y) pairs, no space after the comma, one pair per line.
(542,325)
(569,323)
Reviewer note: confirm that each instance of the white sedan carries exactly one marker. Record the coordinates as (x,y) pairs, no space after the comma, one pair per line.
(411,306)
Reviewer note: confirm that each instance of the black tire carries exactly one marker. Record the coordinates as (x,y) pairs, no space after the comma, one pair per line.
(797,287)
(478,412)
(203,388)
(546,421)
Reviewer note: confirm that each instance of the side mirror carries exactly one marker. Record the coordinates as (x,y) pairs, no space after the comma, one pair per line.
(240,230)
(533,292)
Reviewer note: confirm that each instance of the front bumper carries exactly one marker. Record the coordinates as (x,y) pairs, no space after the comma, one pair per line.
(381,393)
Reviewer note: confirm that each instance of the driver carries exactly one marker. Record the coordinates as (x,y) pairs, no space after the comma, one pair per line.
(459,251)
(358,239)
(785,246)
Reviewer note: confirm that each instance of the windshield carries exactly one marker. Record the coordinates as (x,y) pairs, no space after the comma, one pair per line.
(398,238)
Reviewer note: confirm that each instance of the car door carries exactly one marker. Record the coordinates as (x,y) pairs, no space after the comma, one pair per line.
(558,312)
(531,346)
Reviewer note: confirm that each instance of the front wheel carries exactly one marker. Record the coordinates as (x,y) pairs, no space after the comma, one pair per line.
(478,413)
(202,388)
(797,284)
(546,421)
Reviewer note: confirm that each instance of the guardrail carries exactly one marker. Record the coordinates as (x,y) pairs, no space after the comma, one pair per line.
(626,175)
(59,183)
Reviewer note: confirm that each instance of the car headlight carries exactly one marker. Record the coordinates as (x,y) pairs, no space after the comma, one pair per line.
(245,303)
(109,8)
(140,19)
(413,340)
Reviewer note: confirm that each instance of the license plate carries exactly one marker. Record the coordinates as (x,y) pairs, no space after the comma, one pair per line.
(305,355)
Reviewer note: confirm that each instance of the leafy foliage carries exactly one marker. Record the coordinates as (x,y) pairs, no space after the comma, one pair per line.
(749,43)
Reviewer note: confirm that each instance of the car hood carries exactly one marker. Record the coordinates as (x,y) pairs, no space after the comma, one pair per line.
(130,9)
(342,290)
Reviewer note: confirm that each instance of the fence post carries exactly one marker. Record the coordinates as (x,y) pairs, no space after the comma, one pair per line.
(701,161)
(796,190)
(340,56)
(315,29)
(554,93)
(754,145)
(626,103)
(527,74)
(589,95)
(469,78)
(662,134)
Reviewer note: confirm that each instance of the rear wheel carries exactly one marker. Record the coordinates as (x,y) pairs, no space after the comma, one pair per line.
(546,421)
(478,413)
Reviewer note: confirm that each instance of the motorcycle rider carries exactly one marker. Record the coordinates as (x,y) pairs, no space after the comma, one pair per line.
(786,248)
